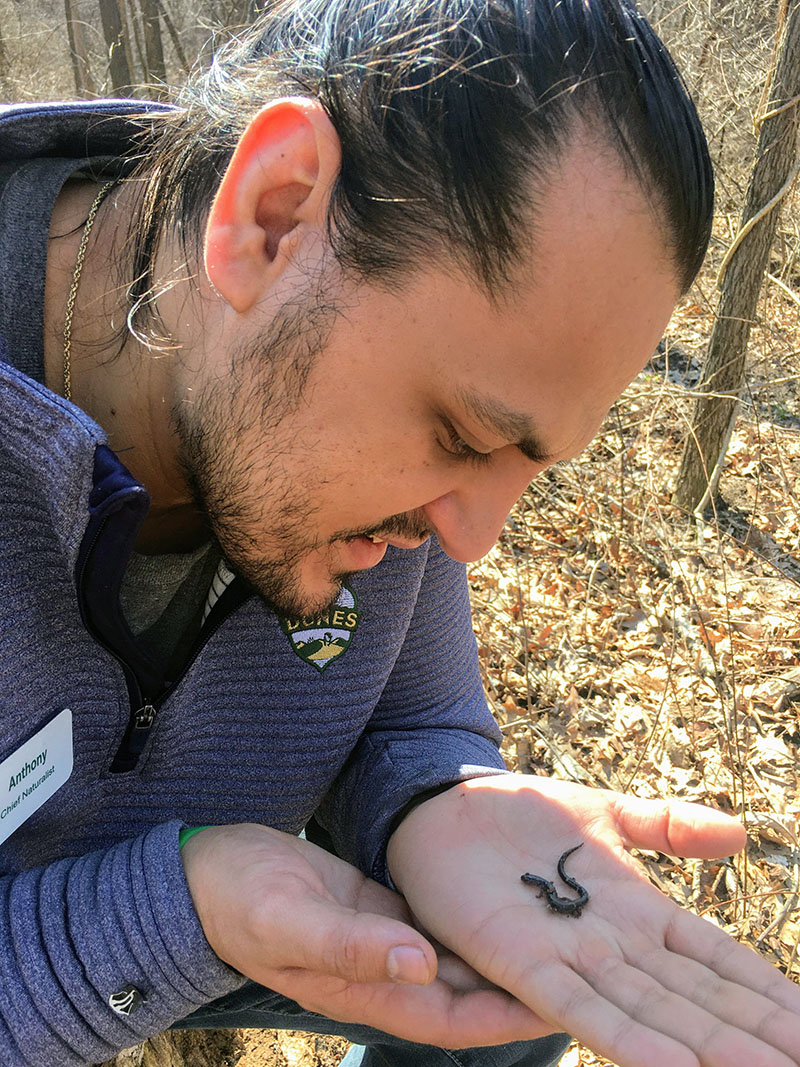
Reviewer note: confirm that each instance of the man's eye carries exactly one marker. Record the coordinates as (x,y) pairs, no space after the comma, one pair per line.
(457,446)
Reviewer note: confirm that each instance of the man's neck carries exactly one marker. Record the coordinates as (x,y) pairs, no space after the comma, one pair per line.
(126,387)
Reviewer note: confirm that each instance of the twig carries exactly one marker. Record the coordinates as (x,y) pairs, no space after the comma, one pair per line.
(776,111)
(782,285)
(783,914)
(754,220)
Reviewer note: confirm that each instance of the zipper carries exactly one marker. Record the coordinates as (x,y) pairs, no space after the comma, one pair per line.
(144,709)
(134,739)
(123,760)
(144,716)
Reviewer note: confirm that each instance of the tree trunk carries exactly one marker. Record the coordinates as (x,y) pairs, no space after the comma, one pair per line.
(5,86)
(174,37)
(184,1048)
(724,369)
(81,71)
(114,35)
(153,48)
(130,28)
(133,36)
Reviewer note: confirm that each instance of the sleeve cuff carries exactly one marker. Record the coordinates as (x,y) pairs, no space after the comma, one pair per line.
(99,952)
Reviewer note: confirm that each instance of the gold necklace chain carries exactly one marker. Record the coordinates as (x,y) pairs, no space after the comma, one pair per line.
(73,291)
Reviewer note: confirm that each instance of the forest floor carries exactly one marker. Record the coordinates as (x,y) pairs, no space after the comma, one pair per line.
(626,647)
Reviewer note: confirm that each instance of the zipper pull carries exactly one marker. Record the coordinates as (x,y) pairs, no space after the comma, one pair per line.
(135,739)
(144,717)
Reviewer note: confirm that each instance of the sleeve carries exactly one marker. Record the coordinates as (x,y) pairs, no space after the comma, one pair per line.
(74,933)
(430,727)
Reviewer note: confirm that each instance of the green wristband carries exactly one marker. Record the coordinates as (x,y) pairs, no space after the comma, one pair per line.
(189,831)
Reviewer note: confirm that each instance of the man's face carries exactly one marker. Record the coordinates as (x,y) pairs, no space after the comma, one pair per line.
(431,408)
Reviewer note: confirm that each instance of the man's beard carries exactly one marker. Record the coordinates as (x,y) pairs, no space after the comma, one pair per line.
(266,539)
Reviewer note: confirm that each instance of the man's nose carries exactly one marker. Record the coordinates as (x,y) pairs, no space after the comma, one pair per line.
(468,520)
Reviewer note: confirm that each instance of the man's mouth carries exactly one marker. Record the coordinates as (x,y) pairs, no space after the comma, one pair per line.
(394,540)
(397,540)
(400,531)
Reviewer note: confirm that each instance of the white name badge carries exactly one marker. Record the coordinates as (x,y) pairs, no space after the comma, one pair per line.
(34,772)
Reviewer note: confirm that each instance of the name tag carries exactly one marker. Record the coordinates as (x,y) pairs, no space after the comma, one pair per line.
(30,776)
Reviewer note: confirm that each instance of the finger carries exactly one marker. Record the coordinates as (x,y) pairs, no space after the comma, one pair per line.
(715,1043)
(677,827)
(459,975)
(707,944)
(729,1001)
(555,991)
(433,1015)
(327,938)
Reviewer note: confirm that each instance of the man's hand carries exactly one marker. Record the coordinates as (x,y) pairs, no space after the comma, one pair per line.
(302,922)
(635,977)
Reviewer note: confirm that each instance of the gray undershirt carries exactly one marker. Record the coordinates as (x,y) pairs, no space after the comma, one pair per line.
(163,597)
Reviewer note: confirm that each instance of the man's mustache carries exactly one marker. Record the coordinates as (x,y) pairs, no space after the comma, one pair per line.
(410,525)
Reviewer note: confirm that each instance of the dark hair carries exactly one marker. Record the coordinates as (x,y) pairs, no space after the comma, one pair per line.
(448,111)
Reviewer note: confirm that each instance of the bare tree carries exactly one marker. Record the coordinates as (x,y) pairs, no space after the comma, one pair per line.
(116,46)
(153,48)
(133,36)
(174,36)
(743,270)
(5,87)
(81,70)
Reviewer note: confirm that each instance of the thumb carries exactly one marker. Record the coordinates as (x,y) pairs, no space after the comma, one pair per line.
(360,946)
(677,827)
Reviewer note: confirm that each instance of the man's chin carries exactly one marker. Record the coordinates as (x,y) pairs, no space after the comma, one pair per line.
(295,603)
(295,588)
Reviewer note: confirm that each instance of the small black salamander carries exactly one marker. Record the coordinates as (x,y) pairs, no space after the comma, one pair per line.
(563,905)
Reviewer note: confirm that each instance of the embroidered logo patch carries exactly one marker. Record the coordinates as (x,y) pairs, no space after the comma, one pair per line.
(320,639)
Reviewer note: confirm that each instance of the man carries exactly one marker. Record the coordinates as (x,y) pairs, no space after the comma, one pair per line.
(260,395)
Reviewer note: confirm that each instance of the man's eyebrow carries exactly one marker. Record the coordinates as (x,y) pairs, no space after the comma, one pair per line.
(513,426)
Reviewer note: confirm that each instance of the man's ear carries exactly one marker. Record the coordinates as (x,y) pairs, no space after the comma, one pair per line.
(277,183)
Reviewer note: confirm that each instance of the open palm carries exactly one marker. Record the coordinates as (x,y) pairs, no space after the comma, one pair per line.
(304,923)
(634,977)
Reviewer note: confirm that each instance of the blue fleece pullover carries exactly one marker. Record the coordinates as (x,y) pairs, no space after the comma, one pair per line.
(270,720)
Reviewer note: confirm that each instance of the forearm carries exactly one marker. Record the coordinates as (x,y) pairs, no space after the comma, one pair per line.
(76,932)
(431,726)
(384,779)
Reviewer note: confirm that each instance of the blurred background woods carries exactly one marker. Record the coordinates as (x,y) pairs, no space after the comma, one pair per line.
(637,628)
(59,49)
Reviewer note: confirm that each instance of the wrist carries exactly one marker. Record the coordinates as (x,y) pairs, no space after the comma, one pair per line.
(419,798)
(188,832)
(206,877)
(415,829)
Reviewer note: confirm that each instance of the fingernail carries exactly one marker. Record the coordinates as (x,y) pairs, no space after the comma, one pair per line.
(407,964)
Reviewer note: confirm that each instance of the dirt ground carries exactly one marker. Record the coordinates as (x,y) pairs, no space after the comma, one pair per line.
(271,1048)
